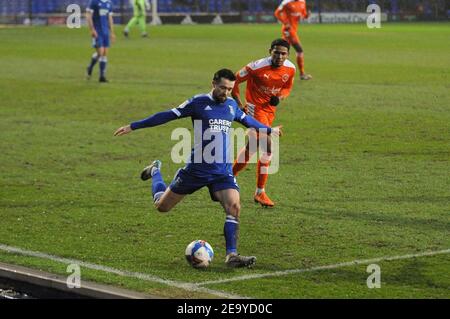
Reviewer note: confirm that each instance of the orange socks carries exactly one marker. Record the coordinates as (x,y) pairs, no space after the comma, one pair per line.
(301,63)
(262,168)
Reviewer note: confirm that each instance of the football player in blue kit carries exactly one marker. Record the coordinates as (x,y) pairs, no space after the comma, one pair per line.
(100,21)
(215,111)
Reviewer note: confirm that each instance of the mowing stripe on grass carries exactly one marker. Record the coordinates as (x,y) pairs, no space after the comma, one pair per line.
(327,267)
(147,277)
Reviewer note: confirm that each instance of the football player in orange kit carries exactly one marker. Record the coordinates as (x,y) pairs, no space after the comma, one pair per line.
(269,80)
(289,13)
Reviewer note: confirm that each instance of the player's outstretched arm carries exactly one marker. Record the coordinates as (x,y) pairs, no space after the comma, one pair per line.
(154,120)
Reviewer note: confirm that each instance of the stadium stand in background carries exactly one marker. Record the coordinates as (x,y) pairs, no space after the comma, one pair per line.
(50,12)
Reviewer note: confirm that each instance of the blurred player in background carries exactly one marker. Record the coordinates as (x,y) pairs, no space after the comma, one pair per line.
(139,17)
(289,13)
(215,111)
(269,80)
(100,22)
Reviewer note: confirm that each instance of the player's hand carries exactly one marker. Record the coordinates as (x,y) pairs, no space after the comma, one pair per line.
(274,100)
(277,131)
(113,37)
(123,130)
(94,34)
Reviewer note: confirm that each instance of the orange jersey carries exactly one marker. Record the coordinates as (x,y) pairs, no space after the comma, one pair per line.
(264,81)
(289,12)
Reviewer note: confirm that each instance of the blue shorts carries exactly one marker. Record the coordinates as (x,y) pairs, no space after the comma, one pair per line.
(186,183)
(102,41)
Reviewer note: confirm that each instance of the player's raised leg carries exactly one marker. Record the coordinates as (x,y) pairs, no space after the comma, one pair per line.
(163,197)
(230,200)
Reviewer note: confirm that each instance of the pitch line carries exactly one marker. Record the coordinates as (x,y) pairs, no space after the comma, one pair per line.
(124,273)
(326,267)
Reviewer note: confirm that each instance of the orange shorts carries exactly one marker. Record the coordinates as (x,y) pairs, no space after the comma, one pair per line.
(264,117)
(290,35)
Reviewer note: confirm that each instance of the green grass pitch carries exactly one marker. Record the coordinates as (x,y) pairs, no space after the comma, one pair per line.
(364,160)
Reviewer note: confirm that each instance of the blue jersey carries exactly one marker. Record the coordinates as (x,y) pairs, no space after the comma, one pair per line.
(212,124)
(100,9)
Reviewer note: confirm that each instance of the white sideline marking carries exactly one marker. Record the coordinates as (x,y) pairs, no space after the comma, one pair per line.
(183,285)
(334,266)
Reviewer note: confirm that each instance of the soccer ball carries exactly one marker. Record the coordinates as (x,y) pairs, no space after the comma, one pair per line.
(199,254)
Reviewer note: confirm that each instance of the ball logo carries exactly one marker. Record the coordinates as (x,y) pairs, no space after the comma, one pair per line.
(199,254)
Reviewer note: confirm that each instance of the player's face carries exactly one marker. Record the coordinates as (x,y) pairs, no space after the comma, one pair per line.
(222,89)
(279,54)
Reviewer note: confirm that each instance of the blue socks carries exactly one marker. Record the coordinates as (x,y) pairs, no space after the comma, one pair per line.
(230,230)
(103,62)
(158,185)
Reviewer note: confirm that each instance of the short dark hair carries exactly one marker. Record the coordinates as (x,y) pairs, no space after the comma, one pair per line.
(224,73)
(280,42)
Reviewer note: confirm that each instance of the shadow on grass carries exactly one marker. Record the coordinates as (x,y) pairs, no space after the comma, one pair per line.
(372,217)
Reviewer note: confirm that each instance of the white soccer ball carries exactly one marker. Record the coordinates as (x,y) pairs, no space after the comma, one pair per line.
(199,254)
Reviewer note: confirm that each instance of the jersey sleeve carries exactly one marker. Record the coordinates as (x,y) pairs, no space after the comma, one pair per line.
(154,120)
(241,76)
(185,109)
(238,114)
